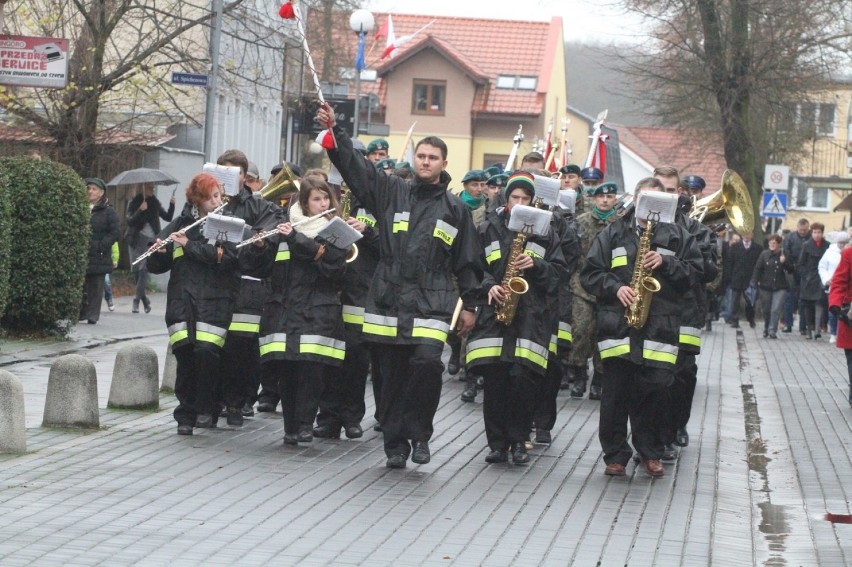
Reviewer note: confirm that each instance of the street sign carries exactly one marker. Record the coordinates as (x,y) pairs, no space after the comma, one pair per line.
(776,177)
(189,79)
(774,205)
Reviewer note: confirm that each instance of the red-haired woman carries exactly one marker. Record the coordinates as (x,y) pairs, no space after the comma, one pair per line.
(200,299)
(302,335)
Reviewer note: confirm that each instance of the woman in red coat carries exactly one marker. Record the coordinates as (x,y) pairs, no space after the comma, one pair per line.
(839,300)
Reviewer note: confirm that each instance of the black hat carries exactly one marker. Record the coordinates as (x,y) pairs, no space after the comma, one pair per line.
(97,182)
(608,188)
(694,183)
(592,174)
(475,175)
(570,168)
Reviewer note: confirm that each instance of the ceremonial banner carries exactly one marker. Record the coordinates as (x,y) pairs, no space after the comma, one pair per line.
(33,61)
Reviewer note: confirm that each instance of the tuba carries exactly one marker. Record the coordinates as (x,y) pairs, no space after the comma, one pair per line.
(281,186)
(731,201)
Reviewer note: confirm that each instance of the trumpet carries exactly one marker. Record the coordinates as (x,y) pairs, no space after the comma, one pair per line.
(184,230)
(268,233)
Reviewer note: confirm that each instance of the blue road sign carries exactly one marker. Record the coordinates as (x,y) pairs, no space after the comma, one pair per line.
(189,79)
(774,205)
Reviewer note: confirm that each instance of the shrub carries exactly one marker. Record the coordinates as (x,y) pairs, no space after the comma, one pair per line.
(49,244)
(5,241)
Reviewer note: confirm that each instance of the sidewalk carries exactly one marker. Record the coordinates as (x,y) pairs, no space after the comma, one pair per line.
(769,456)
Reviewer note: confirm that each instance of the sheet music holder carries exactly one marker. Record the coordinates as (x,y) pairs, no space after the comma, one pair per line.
(547,189)
(530,220)
(656,206)
(220,228)
(339,234)
(227,175)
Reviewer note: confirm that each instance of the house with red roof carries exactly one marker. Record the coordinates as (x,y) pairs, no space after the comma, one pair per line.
(472,82)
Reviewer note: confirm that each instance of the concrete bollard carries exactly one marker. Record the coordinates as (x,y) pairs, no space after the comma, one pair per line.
(169,372)
(13,427)
(72,393)
(135,379)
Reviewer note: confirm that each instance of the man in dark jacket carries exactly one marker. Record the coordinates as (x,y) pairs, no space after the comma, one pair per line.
(639,363)
(426,236)
(144,212)
(791,248)
(811,290)
(743,257)
(104,223)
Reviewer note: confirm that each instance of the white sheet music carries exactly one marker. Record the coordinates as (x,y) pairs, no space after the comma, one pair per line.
(568,199)
(656,206)
(530,220)
(547,189)
(222,228)
(339,234)
(227,175)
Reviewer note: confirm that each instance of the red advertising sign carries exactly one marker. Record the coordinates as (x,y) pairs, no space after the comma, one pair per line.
(33,61)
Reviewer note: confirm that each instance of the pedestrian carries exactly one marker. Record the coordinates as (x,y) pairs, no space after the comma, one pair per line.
(840,302)
(202,289)
(430,256)
(639,362)
(144,212)
(827,266)
(792,248)
(770,278)
(811,289)
(104,225)
(743,257)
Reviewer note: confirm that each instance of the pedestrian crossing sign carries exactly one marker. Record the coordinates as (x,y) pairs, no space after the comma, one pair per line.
(774,205)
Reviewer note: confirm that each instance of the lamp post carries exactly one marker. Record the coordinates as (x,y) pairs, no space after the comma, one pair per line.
(362,23)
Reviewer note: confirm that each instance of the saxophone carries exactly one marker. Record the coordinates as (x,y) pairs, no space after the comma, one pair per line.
(513,284)
(643,284)
(345,208)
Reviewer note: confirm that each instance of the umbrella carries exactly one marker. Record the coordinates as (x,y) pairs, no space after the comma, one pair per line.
(143,175)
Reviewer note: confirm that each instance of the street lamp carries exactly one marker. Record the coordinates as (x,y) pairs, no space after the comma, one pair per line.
(362,23)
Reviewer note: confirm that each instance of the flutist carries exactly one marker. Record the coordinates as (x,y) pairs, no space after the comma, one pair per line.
(513,357)
(638,361)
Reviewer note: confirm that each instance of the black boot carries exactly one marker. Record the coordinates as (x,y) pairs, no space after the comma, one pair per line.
(595,388)
(454,364)
(581,376)
(469,393)
(567,377)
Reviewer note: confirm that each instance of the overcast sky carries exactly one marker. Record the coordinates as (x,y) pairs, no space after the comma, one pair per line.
(584,20)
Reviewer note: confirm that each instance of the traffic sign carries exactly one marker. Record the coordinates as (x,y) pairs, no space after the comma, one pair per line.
(189,79)
(776,177)
(774,205)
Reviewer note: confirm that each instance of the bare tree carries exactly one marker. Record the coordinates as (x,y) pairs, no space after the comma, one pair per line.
(742,67)
(118,77)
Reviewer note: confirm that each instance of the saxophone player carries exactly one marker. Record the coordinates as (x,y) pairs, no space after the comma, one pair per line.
(513,357)
(639,361)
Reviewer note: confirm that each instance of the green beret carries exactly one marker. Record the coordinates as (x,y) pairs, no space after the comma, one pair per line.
(475,175)
(522,180)
(97,182)
(492,171)
(570,168)
(404,165)
(377,144)
(608,188)
(498,180)
(388,163)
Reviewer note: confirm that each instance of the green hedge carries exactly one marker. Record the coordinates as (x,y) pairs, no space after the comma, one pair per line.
(5,240)
(49,245)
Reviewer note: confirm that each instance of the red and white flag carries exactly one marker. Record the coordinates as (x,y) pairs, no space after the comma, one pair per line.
(599,157)
(394,44)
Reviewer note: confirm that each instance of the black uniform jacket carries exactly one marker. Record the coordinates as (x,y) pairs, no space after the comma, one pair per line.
(695,300)
(567,229)
(302,315)
(609,265)
(202,287)
(426,236)
(105,231)
(531,335)
(359,274)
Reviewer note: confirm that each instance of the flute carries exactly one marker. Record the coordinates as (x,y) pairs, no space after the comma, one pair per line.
(167,241)
(266,234)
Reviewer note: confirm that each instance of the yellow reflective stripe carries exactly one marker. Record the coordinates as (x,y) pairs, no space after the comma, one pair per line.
(212,338)
(618,262)
(353,315)
(552,346)
(178,332)
(533,357)
(445,231)
(564,333)
(401,226)
(244,327)
(276,342)
(430,329)
(614,347)
(400,221)
(690,340)
(484,348)
(534,250)
(494,256)
(365,217)
(379,325)
(323,346)
(283,253)
(177,252)
(658,356)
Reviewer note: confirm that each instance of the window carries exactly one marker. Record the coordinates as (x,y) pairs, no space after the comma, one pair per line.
(815,118)
(825,119)
(806,197)
(429,97)
(516,82)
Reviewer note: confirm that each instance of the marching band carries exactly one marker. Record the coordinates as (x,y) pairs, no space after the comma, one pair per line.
(288,310)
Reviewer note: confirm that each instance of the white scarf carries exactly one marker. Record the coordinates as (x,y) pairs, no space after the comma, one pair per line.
(309,229)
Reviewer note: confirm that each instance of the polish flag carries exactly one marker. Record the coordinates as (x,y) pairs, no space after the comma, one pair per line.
(384,29)
(599,159)
(390,43)
(394,44)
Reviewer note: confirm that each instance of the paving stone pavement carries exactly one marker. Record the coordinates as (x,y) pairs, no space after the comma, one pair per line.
(769,456)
